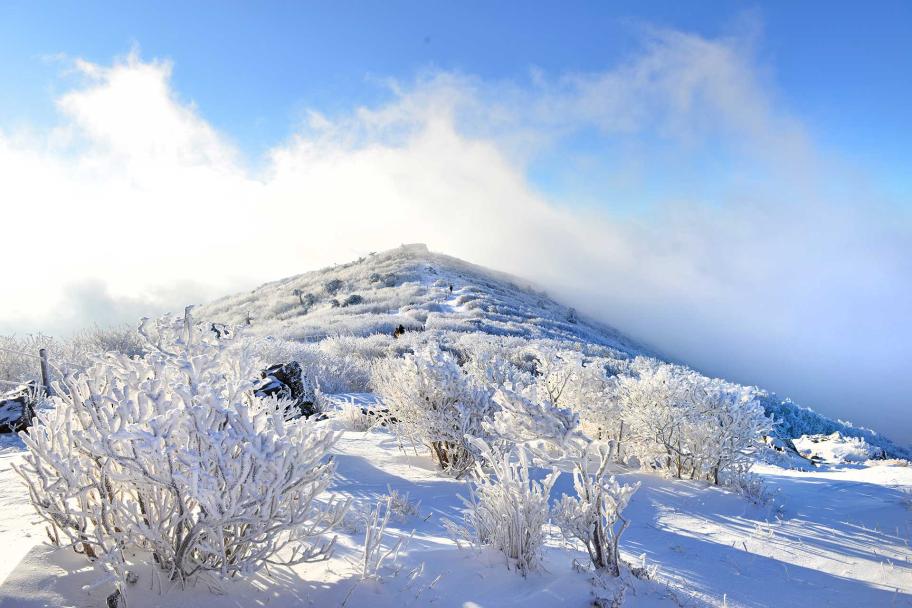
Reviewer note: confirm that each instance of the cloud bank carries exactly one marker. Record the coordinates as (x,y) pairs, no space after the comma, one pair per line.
(670,195)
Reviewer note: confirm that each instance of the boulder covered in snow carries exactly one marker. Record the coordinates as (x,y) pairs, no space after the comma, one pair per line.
(286,381)
(17,407)
(837,449)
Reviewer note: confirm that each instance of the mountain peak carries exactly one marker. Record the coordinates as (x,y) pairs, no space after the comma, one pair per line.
(412,287)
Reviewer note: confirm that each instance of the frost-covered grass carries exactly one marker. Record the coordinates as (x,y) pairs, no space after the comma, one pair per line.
(18,353)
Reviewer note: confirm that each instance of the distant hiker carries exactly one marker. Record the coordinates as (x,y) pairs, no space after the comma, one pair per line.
(399,331)
(451,288)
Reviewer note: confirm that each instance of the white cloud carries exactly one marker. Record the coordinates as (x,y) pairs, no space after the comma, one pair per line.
(770,280)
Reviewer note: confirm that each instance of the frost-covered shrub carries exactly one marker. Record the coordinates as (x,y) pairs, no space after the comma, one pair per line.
(506,509)
(434,403)
(18,357)
(369,347)
(88,343)
(906,498)
(730,428)
(19,354)
(401,505)
(568,379)
(492,363)
(172,454)
(748,484)
(336,373)
(374,555)
(325,364)
(356,418)
(307,300)
(594,515)
(333,286)
(285,307)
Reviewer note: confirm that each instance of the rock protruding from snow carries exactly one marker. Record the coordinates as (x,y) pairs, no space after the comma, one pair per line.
(782,453)
(837,449)
(285,381)
(17,406)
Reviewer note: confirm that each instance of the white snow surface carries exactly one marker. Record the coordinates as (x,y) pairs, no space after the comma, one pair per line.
(835,536)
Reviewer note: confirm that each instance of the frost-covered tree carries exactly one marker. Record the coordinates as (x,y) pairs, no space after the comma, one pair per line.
(657,404)
(731,425)
(434,403)
(171,454)
(688,424)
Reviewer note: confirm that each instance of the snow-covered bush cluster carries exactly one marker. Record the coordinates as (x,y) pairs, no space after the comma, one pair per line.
(170,454)
(328,368)
(688,424)
(662,416)
(356,418)
(573,410)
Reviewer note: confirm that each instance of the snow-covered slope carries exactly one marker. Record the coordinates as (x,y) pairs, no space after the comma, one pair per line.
(410,286)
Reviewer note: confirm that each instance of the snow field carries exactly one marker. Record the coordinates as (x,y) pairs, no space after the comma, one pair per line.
(840,538)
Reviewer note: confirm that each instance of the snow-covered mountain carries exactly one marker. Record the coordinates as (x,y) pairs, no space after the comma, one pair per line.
(424,291)
(415,288)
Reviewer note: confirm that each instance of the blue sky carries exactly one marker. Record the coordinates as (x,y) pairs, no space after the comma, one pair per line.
(251,68)
(729,182)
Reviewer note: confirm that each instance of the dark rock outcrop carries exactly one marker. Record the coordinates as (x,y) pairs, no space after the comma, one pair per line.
(285,381)
(17,407)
